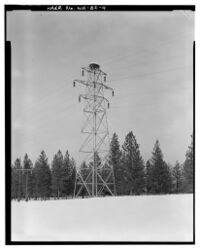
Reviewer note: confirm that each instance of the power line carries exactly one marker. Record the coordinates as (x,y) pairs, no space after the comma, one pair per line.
(153,73)
(148,92)
(118,58)
(148,62)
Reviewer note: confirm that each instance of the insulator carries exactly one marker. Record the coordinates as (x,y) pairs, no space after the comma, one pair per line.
(112,93)
(74,83)
(108,105)
(94,85)
(104,78)
(79,98)
(82,72)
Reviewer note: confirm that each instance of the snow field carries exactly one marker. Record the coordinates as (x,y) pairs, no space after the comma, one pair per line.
(128,218)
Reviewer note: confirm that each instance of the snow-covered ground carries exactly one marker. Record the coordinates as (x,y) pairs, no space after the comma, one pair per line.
(135,218)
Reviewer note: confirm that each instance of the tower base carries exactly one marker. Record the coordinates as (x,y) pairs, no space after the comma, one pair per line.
(102,185)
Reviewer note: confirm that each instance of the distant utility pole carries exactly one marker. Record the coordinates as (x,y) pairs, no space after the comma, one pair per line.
(26,185)
(97,178)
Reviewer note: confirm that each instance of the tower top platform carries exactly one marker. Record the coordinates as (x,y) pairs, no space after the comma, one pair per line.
(94,66)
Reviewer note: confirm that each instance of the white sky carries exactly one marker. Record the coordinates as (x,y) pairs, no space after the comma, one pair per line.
(148,59)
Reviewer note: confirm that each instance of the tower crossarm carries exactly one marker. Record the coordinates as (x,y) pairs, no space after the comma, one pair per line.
(83,82)
(86,83)
(105,86)
(91,97)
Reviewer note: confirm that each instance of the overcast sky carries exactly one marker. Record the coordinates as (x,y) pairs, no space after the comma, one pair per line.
(148,59)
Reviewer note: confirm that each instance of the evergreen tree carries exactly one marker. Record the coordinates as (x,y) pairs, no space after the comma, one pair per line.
(68,175)
(188,169)
(160,176)
(177,177)
(124,187)
(27,183)
(134,164)
(16,183)
(33,192)
(57,175)
(73,176)
(42,175)
(148,176)
(114,160)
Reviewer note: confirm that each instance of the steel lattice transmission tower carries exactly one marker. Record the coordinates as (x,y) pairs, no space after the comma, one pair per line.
(97,177)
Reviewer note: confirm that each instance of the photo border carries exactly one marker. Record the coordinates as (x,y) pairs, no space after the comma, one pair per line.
(8,110)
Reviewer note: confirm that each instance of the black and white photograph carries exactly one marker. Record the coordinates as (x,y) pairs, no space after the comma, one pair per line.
(102,123)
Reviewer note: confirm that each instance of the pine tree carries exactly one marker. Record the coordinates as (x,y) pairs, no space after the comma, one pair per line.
(188,169)
(177,177)
(114,160)
(57,174)
(68,175)
(160,181)
(27,183)
(16,183)
(148,176)
(134,164)
(125,179)
(73,176)
(42,174)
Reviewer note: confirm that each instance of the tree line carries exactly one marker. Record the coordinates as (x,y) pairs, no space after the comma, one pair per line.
(132,175)
(42,181)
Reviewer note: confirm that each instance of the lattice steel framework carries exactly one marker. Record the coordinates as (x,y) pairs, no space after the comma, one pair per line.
(97,177)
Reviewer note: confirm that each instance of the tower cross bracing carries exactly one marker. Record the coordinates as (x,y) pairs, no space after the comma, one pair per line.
(96,178)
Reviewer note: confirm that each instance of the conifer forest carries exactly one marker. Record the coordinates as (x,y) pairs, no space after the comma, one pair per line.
(42,180)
